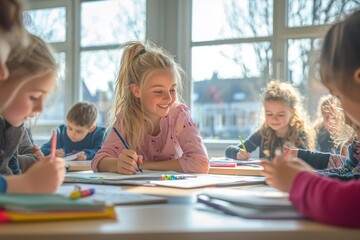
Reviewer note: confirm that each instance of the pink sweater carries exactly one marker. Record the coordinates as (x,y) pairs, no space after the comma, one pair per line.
(179,138)
(327,200)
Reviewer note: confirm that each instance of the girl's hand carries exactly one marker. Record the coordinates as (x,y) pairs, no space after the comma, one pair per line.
(43,177)
(81,156)
(59,152)
(290,152)
(127,162)
(242,155)
(37,151)
(280,173)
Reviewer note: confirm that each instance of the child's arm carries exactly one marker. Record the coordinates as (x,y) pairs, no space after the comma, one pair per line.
(250,144)
(107,159)
(45,148)
(317,160)
(315,196)
(32,181)
(327,200)
(194,158)
(96,143)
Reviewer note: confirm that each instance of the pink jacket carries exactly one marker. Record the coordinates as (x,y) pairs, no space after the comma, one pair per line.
(179,138)
(327,200)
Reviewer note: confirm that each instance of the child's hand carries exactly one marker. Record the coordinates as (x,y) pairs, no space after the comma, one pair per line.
(81,156)
(37,151)
(280,173)
(242,155)
(290,152)
(59,152)
(43,177)
(127,162)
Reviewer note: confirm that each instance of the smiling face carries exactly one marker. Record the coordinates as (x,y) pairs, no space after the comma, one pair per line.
(29,100)
(157,95)
(277,116)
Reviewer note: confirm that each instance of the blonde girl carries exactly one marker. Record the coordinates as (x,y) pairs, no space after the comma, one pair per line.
(285,122)
(148,114)
(38,67)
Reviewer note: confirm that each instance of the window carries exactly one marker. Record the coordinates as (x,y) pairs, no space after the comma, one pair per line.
(105,25)
(230,52)
(231,61)
(237,47)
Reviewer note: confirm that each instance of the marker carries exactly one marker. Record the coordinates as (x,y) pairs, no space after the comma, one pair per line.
(77,193)
(53,145)
(126,145)
(173,177)
(242,143)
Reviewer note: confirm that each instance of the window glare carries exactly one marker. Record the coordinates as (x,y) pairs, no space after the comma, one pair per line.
(48,23)
(112,22)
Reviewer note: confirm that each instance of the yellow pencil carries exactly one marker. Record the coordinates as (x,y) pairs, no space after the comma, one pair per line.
(242,143)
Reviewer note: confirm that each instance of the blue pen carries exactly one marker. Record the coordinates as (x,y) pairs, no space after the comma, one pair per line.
(126,145)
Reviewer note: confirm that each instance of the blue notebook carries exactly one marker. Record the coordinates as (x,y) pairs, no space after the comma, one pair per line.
(46,203)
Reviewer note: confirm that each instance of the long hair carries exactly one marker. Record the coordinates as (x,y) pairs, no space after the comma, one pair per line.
(342,130)
(340,55)
(326,103)
(138,63)
(298,124)
(23,64)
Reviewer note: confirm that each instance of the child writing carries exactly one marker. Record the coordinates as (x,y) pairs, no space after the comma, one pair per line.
(80,135)
(316,196)
(37,67)
(146,111)
(285,121)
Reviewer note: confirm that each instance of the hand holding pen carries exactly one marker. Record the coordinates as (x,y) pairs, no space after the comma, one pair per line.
(128,156)
(242,153)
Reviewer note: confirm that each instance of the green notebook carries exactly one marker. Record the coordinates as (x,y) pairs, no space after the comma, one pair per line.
(46,203)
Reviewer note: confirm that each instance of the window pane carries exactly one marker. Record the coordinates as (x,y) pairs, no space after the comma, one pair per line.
(227,83)
(226,19)
(54,107)
(49,23)
(98,73)
(112,22)
(305,13)
(303,70)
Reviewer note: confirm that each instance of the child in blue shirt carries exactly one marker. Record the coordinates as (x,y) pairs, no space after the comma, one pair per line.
(80,135)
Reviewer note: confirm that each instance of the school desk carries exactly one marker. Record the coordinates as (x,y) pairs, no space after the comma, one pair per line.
(175,220)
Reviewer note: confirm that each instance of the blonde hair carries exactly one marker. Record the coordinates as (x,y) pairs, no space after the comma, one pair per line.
(326,103)
(341,132)
(83,114)
(38,57)
(25,63)
(298,125)
(138,63)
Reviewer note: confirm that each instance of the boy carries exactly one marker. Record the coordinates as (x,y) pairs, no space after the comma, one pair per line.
(80,136)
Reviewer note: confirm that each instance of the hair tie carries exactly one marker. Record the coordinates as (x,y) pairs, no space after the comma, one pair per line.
(142,51)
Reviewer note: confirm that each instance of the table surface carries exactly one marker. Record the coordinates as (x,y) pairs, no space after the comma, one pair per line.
(181,218)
